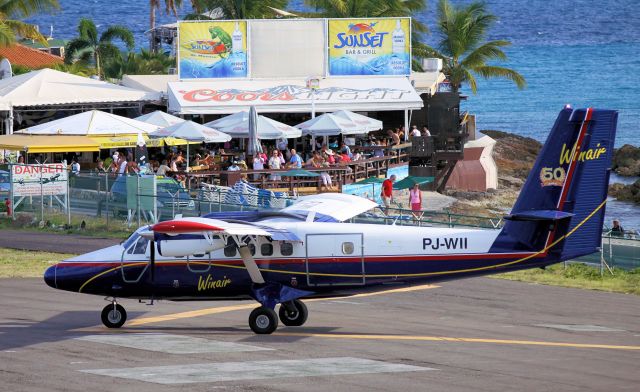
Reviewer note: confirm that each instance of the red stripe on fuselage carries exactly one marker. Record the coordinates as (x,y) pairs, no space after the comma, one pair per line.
(317,260)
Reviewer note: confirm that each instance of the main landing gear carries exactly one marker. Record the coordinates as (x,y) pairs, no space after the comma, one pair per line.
(263,320)
(113,315)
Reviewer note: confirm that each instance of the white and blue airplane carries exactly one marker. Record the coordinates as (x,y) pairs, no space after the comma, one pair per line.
(309,250)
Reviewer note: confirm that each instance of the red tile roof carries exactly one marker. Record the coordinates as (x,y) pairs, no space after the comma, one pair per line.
(31,58)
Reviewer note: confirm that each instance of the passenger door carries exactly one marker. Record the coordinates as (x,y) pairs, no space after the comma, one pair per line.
(335,259)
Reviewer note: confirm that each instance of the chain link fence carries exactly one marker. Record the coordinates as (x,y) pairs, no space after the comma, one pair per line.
(98,203)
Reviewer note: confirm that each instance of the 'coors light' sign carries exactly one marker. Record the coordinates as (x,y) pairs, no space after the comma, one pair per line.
(289,93)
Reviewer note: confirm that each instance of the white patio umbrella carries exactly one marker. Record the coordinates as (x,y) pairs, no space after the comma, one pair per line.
(266,127)
(160,119)
(329,125)
(91,123)
(228,120)
(367,123)
(192,132)
(254,143)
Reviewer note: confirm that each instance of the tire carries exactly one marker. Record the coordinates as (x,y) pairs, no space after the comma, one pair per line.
(295,318)
(263,320)
(113,317)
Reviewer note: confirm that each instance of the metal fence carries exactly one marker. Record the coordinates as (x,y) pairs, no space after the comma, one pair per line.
(115,203)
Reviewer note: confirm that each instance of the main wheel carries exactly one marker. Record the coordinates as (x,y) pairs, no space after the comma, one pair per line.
(293,318)
(263,320)
(113,316)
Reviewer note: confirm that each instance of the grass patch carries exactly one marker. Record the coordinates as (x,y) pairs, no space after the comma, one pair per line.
(580,276)
(27,264)
(57,223)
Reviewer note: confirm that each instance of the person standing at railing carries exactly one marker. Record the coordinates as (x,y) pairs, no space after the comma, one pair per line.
(415,200)
(617,230)
(274,164)
(295,162)
(75,168)
(387,192)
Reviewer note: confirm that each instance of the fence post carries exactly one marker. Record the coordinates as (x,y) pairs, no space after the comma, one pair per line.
(106,193)
(42,195)
(138,198)
(68,201)
(219,200)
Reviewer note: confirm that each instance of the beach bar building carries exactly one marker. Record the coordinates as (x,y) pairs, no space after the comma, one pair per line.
(47,94)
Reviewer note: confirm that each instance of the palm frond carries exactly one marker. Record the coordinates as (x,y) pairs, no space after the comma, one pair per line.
(24,8)
(120,32)
(7,36)
(25,30)
(77,49)
(87,30)
(486,52)
(491,71)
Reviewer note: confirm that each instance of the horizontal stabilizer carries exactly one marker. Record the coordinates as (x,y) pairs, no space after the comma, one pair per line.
(539,215)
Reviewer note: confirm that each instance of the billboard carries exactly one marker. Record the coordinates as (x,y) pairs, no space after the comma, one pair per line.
(212,49)
(35,180)
(376,46)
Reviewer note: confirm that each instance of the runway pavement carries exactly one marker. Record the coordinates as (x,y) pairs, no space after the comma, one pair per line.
(470,335)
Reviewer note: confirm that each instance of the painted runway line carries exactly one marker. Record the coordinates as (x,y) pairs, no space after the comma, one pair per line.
(458,340)
(224,309)
(168,343)
(255,370)
(580,327)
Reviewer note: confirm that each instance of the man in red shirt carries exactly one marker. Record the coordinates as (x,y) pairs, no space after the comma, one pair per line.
(387,192)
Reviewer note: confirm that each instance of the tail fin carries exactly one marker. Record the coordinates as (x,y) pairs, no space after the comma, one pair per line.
(561,205)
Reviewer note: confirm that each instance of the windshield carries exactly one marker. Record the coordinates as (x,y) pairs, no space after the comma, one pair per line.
(129,241)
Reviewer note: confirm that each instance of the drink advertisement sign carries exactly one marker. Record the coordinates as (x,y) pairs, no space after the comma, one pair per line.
(369,46)
(35,180)
(216,49)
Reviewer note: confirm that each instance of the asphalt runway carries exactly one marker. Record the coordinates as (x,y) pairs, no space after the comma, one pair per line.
(471,335)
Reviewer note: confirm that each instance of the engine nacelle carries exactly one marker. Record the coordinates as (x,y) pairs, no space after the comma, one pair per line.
(179,246)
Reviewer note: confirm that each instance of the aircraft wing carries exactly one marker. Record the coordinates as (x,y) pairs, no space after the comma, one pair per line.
(199,225)
(338,206)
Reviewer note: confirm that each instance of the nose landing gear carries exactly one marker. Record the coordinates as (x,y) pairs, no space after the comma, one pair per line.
(113,315)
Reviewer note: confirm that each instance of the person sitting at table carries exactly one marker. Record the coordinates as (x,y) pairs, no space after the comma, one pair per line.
(317,162)
(357,156)
(345,149)
(393,136)
(329,157)
(234,166)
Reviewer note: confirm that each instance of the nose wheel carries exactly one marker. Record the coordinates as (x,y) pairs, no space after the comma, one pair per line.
(114,316)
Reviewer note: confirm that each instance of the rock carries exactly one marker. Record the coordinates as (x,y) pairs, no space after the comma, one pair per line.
(626,160)
(630,192)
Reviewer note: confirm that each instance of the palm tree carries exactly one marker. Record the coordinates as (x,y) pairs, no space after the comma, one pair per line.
(88,47)
(380,9)
(463,48)
(144,63)
(11,10)
(241,9)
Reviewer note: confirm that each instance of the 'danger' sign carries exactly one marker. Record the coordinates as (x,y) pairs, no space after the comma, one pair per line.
(34,180)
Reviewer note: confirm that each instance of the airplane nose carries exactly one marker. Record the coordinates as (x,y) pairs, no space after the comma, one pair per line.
(50,276)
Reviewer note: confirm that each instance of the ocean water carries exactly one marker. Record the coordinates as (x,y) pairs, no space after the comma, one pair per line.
(578,52)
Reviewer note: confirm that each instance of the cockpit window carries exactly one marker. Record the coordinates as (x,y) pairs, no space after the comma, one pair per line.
(140,248)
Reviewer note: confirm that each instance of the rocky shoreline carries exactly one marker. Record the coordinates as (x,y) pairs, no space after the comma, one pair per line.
(515,155)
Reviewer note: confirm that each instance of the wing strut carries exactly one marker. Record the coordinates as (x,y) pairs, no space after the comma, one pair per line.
(249,262)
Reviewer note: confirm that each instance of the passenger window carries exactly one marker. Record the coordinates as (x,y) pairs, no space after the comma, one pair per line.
(140,247)
(347,248)
(266,249)
(230,249)
(252,249)
(286,248)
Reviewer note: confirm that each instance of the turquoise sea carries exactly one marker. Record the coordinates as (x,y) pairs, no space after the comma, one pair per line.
(579,52)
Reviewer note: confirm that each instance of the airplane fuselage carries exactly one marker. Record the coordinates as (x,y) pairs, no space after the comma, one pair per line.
(330,257)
